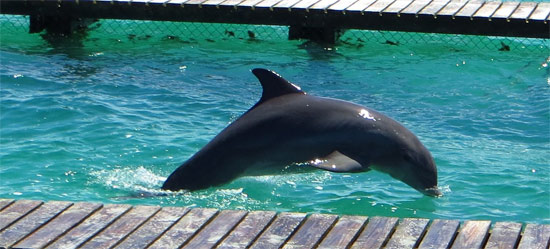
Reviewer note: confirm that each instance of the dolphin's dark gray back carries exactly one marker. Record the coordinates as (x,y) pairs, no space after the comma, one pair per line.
(288,126)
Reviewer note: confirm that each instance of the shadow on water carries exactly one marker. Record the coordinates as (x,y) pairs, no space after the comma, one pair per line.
(319,64)
(320,51)
(72,47)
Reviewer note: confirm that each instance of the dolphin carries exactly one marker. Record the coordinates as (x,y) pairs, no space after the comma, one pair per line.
(288,126)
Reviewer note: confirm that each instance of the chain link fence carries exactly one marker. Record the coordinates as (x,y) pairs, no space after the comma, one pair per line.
(137,30)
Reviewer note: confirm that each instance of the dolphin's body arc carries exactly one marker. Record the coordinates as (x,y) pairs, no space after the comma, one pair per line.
(288,126)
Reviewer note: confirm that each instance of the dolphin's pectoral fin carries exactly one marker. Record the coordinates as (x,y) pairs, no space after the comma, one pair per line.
(337,162)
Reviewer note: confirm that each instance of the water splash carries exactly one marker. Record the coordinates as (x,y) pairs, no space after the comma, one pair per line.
(138,180)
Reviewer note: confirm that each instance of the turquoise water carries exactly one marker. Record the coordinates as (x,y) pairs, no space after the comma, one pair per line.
(113,115)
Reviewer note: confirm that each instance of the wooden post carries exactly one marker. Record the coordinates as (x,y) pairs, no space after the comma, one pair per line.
(58,24)
(317,34)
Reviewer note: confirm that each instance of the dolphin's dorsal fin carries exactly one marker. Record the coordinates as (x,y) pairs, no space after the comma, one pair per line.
(274,85)
(337,162)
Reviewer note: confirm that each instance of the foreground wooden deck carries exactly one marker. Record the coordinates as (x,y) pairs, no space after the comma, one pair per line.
(312,19)
(58,224)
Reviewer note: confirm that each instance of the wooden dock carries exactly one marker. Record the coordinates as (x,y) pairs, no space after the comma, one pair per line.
(311,19)
(60,224)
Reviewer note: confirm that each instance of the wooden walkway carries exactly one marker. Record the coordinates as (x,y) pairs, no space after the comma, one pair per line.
(58,224)
(306,18)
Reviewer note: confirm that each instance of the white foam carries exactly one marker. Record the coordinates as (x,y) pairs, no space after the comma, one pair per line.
(129,179)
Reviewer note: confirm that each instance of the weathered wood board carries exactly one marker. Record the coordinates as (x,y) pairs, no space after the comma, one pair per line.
(55,224)
(472,17)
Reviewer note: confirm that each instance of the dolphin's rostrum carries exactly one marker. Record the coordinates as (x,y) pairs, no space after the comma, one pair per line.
(289,126)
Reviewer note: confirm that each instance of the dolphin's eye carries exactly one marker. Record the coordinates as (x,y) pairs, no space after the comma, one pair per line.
(407,157)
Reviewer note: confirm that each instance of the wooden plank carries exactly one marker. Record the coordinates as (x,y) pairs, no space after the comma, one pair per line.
(211,2)
(194,2)
(469,9)
(505,10)
(231,3)
(472,234)
(249,3)
(278,232)
(440,234)
(487,10)
(541,12)
(157,2)
(247,231)
(377,231)
(32,222)
(153,228)
(185,228)
(360,5)
(267,4)
(434,7)
(379,6)
(5,202)
(286,4)
(407,234)
(452,8)
(16,211)
(415,7)
(123,226)
(535,236)
(323,4)
(59,225)
(217,229)
(91,226)
(342,5)
(397,6)
(311,232)
(524,10)
(176,2)
(304,4)
(343,232)
(504,235)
